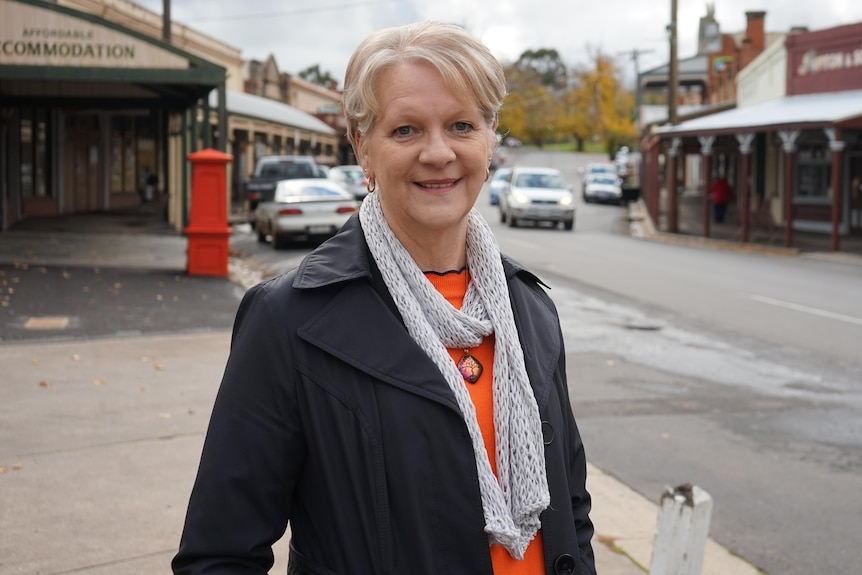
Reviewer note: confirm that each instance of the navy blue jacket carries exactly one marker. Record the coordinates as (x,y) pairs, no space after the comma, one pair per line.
(329,416)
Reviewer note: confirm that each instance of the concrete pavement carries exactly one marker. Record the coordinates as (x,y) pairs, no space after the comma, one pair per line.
(100,435)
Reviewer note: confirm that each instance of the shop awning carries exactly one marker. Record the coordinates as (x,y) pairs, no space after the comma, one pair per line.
(55,53)
(251,106)
(788,113)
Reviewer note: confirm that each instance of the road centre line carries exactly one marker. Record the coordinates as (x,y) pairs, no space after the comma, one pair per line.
(806,309)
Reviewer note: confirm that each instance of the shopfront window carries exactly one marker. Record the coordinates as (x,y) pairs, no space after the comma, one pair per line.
(814,172)
(124,165)
(27,170)
(33,141)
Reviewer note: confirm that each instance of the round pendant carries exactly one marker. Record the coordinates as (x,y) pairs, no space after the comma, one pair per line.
(470,368)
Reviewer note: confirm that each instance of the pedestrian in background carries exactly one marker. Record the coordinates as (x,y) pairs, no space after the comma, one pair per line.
(400,398)
(720,194)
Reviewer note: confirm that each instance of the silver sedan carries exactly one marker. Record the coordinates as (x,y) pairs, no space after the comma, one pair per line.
(538,195)
(303,209)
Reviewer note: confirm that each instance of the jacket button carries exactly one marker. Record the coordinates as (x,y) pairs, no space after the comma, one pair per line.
(564,565)
(547,433)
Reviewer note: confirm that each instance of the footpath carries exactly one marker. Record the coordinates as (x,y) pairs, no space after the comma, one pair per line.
(100,435)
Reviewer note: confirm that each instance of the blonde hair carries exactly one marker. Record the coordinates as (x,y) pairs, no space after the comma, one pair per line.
(466,65)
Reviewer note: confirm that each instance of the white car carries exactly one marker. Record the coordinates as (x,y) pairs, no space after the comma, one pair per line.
(602,184)
(351,179)
(497,182)
(302,209)
(537,195)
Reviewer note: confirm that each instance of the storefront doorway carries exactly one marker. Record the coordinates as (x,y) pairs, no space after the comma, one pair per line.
(82,179)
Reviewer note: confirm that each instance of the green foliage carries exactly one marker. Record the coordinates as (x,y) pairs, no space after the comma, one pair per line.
(315,75)
(586,108)
(546,64)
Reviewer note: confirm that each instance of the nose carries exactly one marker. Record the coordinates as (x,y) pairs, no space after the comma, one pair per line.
(437,150)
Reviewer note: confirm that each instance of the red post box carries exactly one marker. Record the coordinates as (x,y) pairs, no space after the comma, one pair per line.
(208,229)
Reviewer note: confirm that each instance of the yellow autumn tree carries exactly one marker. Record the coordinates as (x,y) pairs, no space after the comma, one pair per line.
(533,111)
(602,107)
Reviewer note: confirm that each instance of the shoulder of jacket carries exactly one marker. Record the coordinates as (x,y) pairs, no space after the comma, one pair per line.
(515,270)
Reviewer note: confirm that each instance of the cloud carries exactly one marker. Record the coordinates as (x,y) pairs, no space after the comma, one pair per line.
(327,32)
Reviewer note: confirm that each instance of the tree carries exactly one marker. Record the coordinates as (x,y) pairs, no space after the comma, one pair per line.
(316,76)
(546,63)
(533,110)
(601,105)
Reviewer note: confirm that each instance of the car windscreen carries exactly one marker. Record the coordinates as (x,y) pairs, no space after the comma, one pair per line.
(539,181)
(602,179)
(288,170)
(353,176)
(310,192)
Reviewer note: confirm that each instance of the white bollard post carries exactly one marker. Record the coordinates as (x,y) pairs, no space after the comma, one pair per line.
(681,532)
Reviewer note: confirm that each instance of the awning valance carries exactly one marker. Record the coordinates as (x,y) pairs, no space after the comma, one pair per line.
(790,112)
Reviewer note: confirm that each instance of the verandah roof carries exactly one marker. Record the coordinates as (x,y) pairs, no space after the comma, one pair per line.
(789,112)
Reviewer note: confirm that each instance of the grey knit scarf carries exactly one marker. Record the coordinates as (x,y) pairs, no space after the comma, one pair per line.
(513,500)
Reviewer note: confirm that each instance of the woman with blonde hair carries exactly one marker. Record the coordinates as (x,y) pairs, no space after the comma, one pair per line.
(400,398)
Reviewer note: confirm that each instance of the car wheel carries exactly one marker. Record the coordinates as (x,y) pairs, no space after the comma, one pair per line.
(275,240)
(502,216)
(513,222)
(569,225)
(261,235)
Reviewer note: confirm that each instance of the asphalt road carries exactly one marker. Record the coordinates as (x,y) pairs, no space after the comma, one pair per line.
(64,302)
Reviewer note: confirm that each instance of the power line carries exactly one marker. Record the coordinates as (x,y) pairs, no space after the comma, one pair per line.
(309,10)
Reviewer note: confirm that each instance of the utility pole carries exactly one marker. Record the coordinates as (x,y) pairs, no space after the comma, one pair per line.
(635,55)
(673,81)
(166,21)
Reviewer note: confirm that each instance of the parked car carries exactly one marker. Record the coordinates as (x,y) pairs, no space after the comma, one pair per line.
(351,179)
(497,182)
(537,195)
(272,169)
(498,158)
(621,160)
(601,183)
(303,209)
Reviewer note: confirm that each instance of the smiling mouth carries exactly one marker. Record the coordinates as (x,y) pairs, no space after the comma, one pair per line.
(437,186)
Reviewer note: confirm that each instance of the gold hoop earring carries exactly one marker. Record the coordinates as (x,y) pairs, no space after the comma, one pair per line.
(371,186)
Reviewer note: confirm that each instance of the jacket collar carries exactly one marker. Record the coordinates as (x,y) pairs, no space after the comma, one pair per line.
(361,324)
(345,257)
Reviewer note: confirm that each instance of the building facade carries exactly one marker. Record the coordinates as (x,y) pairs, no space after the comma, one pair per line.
(794,151)
(101,102)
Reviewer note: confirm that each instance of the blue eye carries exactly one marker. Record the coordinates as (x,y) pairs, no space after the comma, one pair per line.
(463,127)
(403,131)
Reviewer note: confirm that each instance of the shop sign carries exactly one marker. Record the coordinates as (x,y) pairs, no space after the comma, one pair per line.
(34,36)
(814,63)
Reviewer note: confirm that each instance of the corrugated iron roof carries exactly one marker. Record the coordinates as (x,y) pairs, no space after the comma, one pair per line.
(251,106)
(791,111)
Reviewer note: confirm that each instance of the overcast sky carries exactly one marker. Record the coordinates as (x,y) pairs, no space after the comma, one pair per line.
(325,32)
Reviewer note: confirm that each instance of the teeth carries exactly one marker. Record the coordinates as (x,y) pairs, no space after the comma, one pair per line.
(435,185)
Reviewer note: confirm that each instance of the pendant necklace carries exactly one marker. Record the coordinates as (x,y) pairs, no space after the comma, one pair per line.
(470,367)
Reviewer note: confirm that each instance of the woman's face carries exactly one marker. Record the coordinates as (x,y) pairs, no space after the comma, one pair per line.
(428,150)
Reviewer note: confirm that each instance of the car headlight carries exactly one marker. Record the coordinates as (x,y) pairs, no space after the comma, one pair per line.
(567,200)
(520,198)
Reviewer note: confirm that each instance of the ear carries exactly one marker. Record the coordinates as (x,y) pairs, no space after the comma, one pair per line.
(359,150)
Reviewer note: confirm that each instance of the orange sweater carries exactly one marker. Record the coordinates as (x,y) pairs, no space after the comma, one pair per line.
(453,286)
